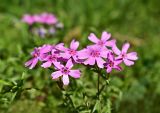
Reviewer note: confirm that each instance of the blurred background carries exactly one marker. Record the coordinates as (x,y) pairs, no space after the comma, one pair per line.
(134,90)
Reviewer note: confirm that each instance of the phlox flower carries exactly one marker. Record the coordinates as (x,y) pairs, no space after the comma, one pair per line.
(46,48)
(128,58)
(44,18)
(93,54)
(50,59)
(38,54)
(47,18)
(112,63)
(70,52)
(28,19)
(104,41)
(65,72)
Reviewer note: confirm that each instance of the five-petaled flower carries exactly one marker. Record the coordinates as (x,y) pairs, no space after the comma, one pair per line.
(104,41)
(128,58)
(93,54)
(112,63)
(38,55)
(50,59)
(70,52)
(65,72)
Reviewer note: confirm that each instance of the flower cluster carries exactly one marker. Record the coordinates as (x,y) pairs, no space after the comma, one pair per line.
(42,24)
(103,54)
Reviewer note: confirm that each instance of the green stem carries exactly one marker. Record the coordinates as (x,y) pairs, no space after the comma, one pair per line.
(98,83)
(70,99)
(67,96)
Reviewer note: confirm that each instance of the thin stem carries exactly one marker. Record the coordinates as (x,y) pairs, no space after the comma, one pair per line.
(98,85)
(67,96)
(103,87)
(60,85)
(70,99)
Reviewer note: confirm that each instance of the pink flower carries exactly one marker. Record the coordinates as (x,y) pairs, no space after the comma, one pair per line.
(50,59)
(128,58)
(47,18)
(37,18)
(65,72)
(93,54)
(36,56)
(112,63)
(70,52)
(39,53)
(46,48)
(103,41)
(28,19)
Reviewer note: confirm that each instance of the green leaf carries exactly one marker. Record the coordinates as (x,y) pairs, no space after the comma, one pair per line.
(97,107)
(4,82)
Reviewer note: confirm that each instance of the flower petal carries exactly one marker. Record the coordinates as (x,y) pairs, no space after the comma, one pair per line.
(125,47)
(118,61)
(100,62)
(75,73)
(45,49)
(132,56)
(65,79)
(109,69)
(69,64)
(58,46)
(74,45)
(83,54)
(116,50)
(110,43)
(105,36)
(104,53)
(53,51)
(65,55)
(34,62)
(90,61)
(128,62)
(93,38)
(111,56)
(61,47)
(117,68)
(56,74)
(46,64)
(58,65)
(28,63)
(75,58)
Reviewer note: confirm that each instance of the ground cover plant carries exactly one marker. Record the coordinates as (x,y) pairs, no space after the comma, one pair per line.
(135,89)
